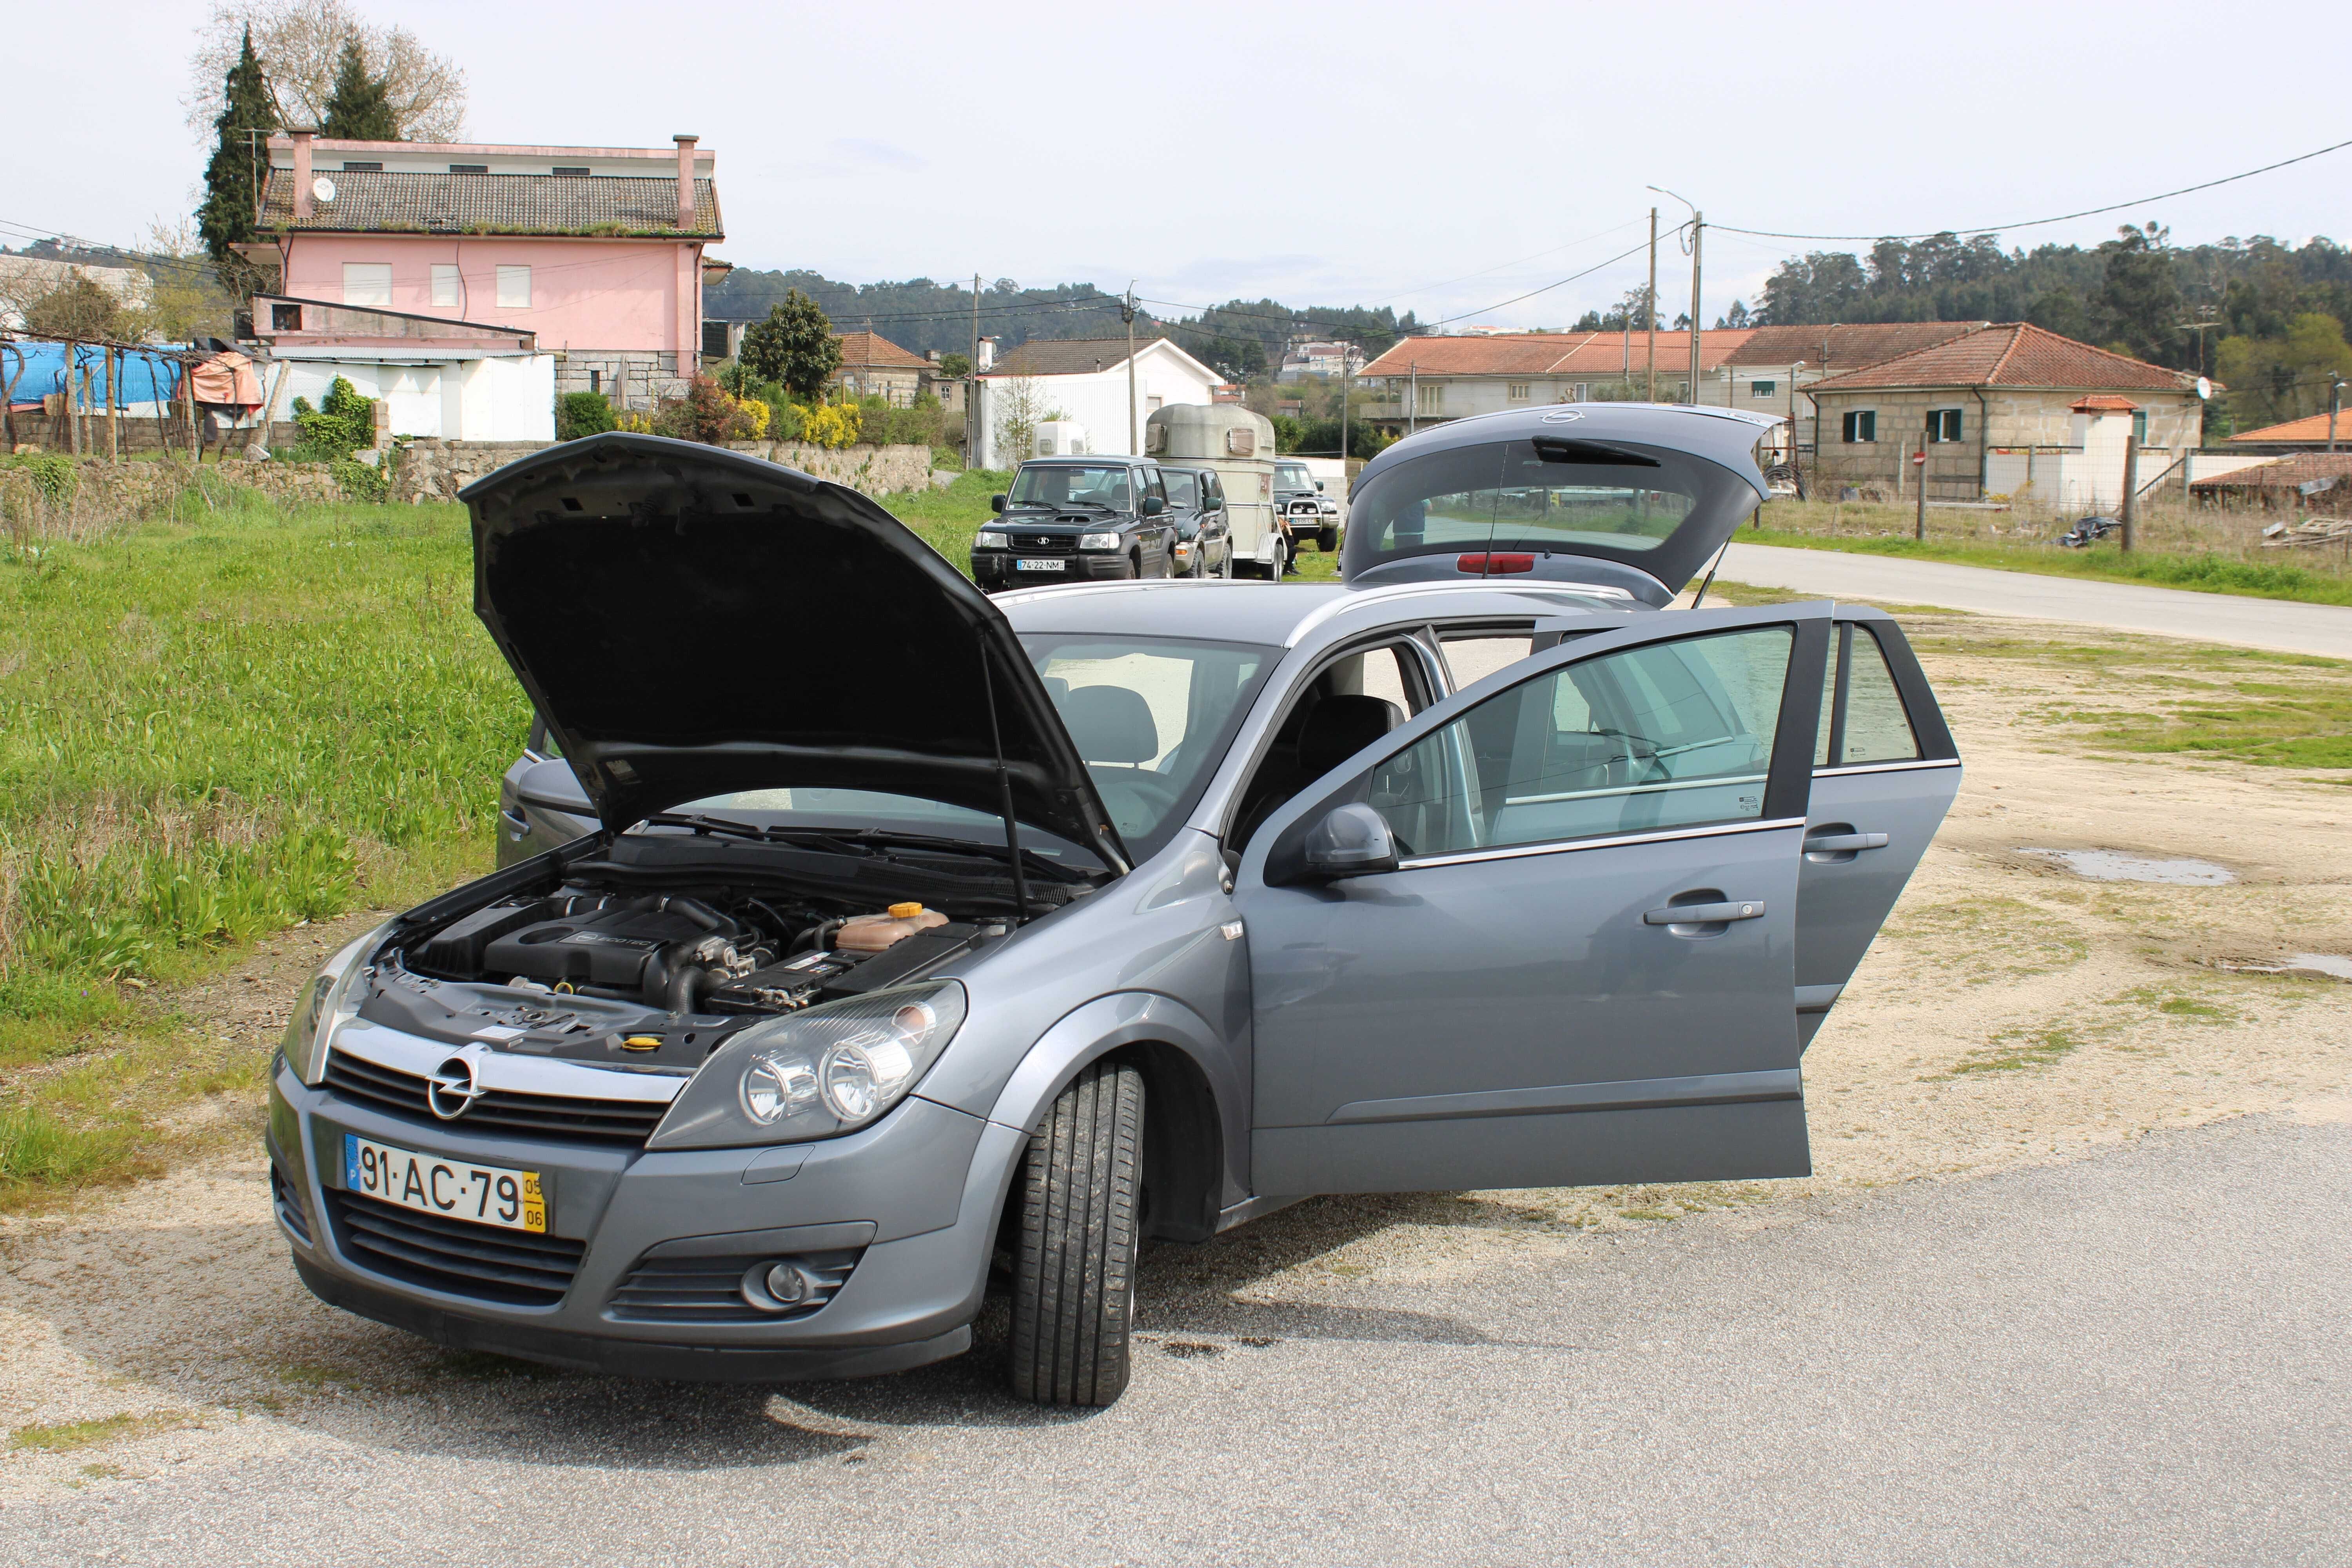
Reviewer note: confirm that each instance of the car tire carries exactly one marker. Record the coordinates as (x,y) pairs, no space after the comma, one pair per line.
(1225,566)
(1327,541)
(1080,1195)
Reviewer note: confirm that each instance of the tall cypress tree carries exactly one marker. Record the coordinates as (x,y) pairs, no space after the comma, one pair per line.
(231,195)
(361,107)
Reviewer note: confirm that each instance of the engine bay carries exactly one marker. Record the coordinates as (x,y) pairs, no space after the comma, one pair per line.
(648,981)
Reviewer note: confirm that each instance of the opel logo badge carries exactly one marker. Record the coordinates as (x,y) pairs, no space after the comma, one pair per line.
(452,1088)
(1563,417)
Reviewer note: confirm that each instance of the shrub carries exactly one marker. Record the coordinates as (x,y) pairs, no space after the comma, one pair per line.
(342,423)
(579,414)
(361,481)
(833,427)
(710,414)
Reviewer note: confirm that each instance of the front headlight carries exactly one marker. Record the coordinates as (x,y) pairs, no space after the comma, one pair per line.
(829,1071)
(984,540)
(1098,542)
(325,1005)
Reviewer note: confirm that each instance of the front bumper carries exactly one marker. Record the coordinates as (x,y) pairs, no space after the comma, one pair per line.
(908,1207)
(994,569)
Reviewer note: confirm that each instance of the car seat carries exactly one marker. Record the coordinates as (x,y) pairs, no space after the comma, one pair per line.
(1336,729)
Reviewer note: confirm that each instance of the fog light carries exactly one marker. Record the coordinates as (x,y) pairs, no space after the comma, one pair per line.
(777,1286)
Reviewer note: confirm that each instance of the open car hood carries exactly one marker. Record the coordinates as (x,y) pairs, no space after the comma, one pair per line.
(692,622)
(1454,500)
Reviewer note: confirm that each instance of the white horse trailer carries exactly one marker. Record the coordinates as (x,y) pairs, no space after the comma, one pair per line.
(1239,445)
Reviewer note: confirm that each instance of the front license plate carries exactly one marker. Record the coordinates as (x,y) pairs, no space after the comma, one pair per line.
(454,1189)
(1039,565)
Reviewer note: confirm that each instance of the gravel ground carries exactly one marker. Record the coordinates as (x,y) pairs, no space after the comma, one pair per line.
(2001,1322)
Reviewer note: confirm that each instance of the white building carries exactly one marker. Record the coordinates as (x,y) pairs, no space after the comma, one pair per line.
(1086,380)
(460,381)
(1319,356)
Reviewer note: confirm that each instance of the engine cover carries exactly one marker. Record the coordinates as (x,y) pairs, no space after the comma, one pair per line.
(635,951)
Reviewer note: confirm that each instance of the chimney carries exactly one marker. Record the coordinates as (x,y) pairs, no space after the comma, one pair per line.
(302,171)
(686,180)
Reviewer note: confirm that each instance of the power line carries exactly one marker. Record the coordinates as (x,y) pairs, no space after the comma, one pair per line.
(2039,222)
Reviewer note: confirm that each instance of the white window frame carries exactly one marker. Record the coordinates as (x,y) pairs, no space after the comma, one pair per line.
(1855,420)
(1939,419)
(514,287)
(1763,388)
(1515,391)
(367,285)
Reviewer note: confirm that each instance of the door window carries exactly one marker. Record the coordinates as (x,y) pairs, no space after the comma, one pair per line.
(1471,659)
(1182,489)
(1877,730)
(1666,735)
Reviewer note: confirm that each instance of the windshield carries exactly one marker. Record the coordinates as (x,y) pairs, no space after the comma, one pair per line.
(1613,501)
(1150,716)
(1060,484)
(1292,477)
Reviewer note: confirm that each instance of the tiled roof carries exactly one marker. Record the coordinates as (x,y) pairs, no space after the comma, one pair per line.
(872,350)
(1591,354)
(2103,402)
(398,202)
(2010,354)
(2284,473)
(1846,346)
(2312,428)
(1062,356)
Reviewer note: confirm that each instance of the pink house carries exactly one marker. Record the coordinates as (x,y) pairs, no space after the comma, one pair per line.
(479,282)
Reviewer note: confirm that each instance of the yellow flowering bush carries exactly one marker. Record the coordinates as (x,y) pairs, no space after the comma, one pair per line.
(831,427)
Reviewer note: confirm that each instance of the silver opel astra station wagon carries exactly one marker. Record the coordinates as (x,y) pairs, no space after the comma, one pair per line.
(864,941)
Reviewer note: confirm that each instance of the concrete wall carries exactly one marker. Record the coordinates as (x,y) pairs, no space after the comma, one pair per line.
(506,398)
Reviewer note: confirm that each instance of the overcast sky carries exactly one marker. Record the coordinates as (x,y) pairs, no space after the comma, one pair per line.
(1442,158)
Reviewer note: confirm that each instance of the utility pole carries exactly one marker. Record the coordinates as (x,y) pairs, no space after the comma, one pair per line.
(972,384)
(1919,479)
(1796,465)
(2131,484)
(1413,397)
(1127,314)
(1650,304)
(1697,224)
(1343,410)
(2335,402)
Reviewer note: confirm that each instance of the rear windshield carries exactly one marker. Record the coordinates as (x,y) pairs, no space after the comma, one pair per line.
(1616,500)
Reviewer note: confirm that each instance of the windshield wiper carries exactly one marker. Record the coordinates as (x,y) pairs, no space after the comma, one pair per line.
(878,839)
(725,827)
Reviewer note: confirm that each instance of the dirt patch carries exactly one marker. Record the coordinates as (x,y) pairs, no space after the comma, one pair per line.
(2013,1011)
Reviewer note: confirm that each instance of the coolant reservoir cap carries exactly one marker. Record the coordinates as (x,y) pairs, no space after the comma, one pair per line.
(905,912)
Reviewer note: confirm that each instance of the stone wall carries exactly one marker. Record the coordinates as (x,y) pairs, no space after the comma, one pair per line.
(108,496)
(436,470)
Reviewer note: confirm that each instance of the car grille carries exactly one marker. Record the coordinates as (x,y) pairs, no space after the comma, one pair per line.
(563,1117)
(289,1204)
(1043,543)
(710,1290)
(489,1264)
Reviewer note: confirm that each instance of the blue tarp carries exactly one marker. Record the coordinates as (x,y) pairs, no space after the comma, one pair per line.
(146,378)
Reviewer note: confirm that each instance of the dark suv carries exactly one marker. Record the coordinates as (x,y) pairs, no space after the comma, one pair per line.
(1196,503)
(1079,519)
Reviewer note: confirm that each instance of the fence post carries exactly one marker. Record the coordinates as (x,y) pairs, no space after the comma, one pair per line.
(2131,485)
(1919,529)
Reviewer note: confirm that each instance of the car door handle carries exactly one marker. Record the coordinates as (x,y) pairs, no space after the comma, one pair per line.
(1832,843)
(516,821)
(1705,914)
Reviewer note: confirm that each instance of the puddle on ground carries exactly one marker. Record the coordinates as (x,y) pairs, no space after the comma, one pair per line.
(2115,866)
(2300,964)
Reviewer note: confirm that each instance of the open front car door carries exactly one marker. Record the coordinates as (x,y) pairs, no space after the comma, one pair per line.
(1545,934)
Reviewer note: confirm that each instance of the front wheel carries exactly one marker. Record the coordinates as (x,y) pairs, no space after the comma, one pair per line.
(1327,539)
(1073,1268)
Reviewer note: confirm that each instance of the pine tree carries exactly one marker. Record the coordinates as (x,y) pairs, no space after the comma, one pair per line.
(794,345)
(360,108)
(232,198)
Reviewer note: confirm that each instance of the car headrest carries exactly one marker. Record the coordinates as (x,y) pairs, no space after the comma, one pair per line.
(1338,727)
(1110,724)
(1058,690)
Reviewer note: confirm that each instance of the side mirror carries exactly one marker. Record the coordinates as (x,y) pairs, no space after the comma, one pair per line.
(1351,841)
(996,503)
(1153,505)
(1319,487)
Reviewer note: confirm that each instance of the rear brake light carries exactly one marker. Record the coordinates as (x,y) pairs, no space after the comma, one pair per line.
(1486,565)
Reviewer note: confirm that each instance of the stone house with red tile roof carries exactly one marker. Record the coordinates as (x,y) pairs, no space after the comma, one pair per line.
(1432,380)
(2001,409)
(872,364)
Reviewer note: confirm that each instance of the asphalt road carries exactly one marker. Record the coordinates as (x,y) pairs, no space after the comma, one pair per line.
(2139,1358)
(2275,624)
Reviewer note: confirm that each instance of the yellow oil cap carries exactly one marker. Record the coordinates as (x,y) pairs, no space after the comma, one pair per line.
(641,1043)
(905,912)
